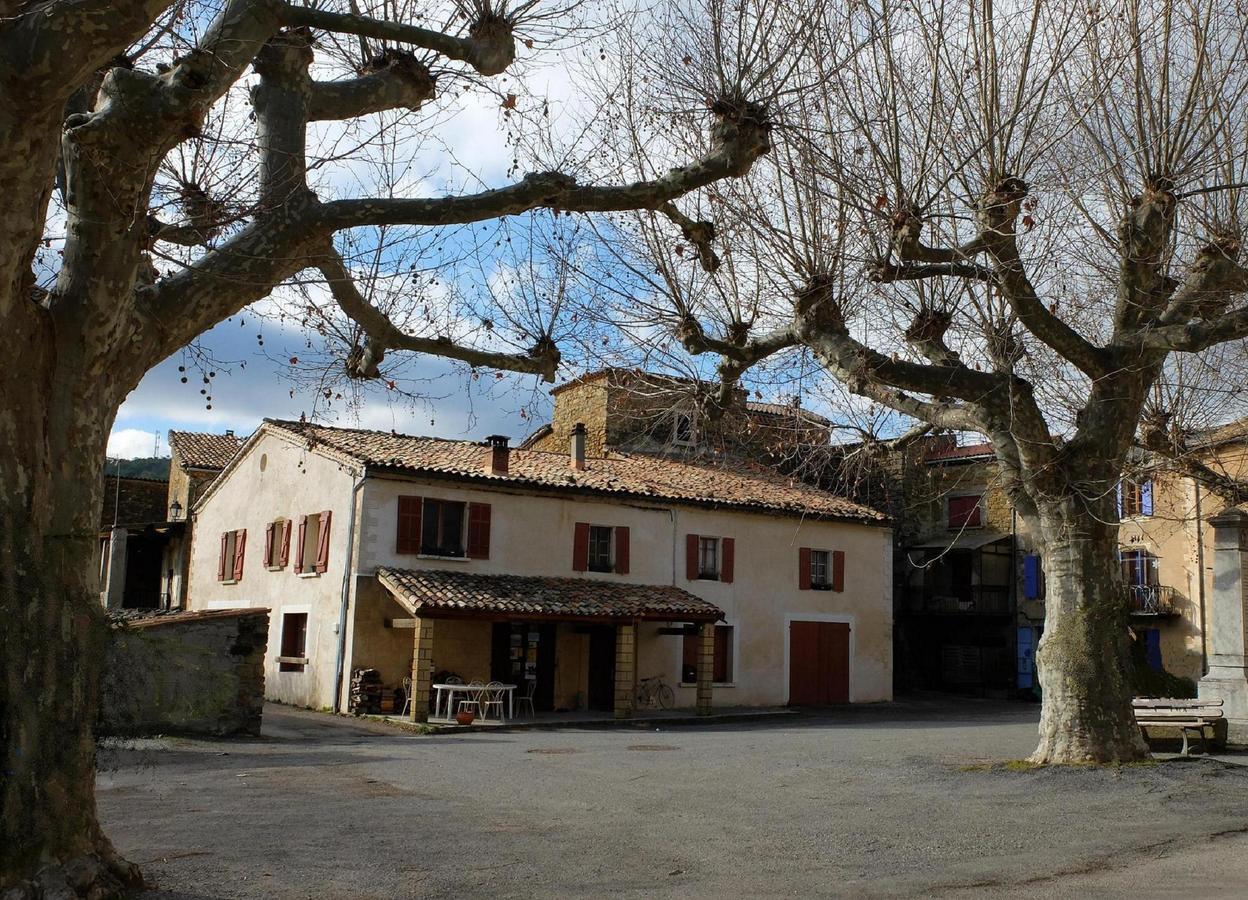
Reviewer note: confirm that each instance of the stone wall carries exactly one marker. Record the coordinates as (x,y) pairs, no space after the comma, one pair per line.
(186,673)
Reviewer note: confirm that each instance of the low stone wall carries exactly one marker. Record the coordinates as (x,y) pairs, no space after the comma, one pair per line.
(186,673)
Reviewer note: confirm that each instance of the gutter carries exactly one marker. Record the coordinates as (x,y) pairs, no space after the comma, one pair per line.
(1200,583)
(340,659)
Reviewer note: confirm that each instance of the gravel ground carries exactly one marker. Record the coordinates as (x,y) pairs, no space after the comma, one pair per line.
(895,801)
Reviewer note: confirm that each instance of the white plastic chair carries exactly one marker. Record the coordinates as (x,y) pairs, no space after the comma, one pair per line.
(527,698)
(407,695)
(473,702)
(492,699)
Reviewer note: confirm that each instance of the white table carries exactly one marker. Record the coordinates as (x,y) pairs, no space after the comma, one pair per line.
(469,691)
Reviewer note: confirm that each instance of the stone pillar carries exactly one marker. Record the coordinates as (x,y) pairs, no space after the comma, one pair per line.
(1227,619)
(422,668)
(706,666)
(625,670)
(115,573)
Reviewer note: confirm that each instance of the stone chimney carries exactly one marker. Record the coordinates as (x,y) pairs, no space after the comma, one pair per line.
(497,458)
(578,447)
(229,432)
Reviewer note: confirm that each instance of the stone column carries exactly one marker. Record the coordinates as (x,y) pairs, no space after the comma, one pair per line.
(1227,619)
(115,574)
(706,666)
(422,668)
(625,670)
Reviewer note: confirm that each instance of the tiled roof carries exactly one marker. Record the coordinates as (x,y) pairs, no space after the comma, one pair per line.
(786,410)
(429,590)
(201,450)
(135,501)
(970,451)
(720,483)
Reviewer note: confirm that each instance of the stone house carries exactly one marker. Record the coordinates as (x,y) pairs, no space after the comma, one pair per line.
(576,572)
(196,458)
(135,532)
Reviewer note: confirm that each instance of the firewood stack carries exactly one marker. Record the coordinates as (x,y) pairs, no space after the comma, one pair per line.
(366,691)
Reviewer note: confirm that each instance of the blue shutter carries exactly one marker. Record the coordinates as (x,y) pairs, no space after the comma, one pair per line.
(1118,498)
(1146,497)
(1031,576)
(1152,648)
(1026,657)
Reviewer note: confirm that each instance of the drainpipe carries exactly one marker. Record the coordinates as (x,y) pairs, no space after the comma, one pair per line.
(1200,582)
(346,592)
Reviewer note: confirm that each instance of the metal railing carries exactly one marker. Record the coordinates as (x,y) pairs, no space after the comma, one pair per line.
(1152,599)
(971,599)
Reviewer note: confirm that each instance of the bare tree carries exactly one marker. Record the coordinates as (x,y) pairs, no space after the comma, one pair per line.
(157,179)
(1006,219)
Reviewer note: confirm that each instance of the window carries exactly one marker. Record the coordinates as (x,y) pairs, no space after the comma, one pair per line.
(277,544)
(965,512)
(683,433)
(294,643)
(1135,498)
(442,528)
(600,548)
(722,669)
(230,562)
(820,570)
(312,547)
(708,558)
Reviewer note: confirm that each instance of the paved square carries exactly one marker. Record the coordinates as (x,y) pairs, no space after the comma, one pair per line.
(876,802)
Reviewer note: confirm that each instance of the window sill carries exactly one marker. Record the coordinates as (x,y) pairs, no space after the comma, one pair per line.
(714,684)
(442,558)
(309,574)
(274,568)
(293,660)
(707,578)
(228,581)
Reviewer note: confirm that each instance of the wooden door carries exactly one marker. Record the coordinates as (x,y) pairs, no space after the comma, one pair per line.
(818,663)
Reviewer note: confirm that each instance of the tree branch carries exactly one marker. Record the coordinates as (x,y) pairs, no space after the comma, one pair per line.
(394,80)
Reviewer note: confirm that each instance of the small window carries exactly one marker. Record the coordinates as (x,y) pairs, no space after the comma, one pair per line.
(600,548)
(294,643)
(722,669)
(965,512)
(230,562)
(277,544)
(820,570)
(442,528)
(311,537)
(1136,498)
(708,558)
(683,433)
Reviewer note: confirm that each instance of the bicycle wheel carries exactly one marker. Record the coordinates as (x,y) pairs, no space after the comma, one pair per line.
(642,696)
(665,697)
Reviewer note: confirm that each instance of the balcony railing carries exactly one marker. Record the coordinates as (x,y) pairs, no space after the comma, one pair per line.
(970,599)
(1152,600)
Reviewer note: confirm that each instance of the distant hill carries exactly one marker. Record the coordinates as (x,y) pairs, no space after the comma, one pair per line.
(143,467)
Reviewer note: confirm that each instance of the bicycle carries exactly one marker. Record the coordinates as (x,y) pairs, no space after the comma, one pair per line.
(653,692)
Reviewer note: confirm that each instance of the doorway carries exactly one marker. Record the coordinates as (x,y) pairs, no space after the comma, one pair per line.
(524,652)
(818,663)
(602,667)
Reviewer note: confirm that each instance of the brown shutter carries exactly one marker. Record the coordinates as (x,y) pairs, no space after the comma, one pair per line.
(322,543)
(727,547)
(268,542)
(408,528)
(225,540)
(478,531)
(621,550)
(803,569)
(691,557)
(580,547)
(838,570)
(285,555)
(303,533)
(240,547)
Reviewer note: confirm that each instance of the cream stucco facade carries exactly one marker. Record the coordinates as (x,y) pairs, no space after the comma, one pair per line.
(531,534)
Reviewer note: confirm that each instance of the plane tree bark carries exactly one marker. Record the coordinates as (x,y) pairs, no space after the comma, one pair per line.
(81,117)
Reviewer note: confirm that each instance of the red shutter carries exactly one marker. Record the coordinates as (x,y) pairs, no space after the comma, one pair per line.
(621,550)
(240,546)
(408,528)
(303,533)
(269,531)
(728,549)
(285,555)
(478,531)
(225,540)
(803,569)
(838,570)
(691,557)
(322,543)
(580,548)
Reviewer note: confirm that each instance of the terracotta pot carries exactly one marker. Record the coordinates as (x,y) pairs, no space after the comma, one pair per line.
(465,716)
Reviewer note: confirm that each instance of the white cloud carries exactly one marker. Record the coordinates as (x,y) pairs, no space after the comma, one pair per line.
(129,443)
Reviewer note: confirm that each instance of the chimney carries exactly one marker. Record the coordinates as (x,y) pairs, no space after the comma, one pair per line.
(229,432)
(496,460)
(578,447)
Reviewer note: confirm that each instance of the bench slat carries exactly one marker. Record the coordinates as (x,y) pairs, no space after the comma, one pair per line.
(1153,703)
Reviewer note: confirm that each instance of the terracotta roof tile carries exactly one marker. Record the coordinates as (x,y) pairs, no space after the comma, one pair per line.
(722,483)
(429,590)
(970,451)
(202,450)
(786,411)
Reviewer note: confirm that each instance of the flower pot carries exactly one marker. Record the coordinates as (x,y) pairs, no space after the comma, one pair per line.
(465,716)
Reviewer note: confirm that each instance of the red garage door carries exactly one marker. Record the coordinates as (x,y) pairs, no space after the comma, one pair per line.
(818,663)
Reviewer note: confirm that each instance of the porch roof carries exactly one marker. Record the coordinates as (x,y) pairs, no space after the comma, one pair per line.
(967,540)
(435,592)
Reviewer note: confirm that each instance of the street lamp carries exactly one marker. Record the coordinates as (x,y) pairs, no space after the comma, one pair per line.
(175,511)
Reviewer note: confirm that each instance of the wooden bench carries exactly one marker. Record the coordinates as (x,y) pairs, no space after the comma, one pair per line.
(1185,715)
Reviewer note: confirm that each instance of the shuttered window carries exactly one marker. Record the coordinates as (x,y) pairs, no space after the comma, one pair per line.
(821,570)
(277,544)
(294,643)
(601,548)
(965,512)
(233,550)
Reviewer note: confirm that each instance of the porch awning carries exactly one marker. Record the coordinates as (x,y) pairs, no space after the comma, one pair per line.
(429,592)
(967,540)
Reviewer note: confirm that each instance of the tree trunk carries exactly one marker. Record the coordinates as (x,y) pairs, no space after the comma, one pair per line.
(53,434)
(1084,656)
